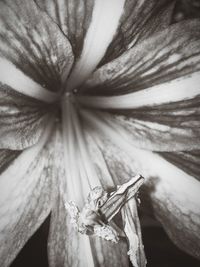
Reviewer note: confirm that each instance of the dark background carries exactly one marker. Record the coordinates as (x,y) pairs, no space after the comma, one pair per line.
(160,251)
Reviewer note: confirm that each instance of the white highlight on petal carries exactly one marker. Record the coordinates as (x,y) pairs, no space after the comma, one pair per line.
(18,81)
(187,87)
(11,176)
(105,21)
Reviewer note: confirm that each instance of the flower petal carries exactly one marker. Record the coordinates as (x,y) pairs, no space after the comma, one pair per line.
(164,117)
(23,119)
(163,58)
(34,53)
(172,194)
(73,18)
(97,39)
(66,246)
(170,127)
(140,20)
(25,196)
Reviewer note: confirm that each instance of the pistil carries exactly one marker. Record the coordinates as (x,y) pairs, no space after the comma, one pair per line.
(81,174)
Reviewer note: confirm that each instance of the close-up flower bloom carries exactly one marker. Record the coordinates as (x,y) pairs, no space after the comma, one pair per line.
(94,96)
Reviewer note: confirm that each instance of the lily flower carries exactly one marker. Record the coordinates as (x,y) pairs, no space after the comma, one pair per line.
(93,93)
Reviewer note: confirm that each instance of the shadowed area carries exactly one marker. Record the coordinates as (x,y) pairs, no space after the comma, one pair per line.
(160,251)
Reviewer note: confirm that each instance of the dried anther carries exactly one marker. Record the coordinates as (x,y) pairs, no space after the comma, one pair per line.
(101,207)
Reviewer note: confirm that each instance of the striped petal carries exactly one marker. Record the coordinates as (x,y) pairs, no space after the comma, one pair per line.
(90,30)
(25,194)
(23,120)
(140,20)
(163,117)
(97,39)
(34,54)
(171,194)
(163,58)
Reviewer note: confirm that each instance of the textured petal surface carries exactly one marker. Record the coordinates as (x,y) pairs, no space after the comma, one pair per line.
(72,16)
(69,248)
(169,127)
(172,194)
(22,119)
(66,246)
(140,20)
(33,45)
(25,195)
(167,55)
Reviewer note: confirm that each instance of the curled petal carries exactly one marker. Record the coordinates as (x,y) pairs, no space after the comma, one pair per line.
(97,39)
(25,196)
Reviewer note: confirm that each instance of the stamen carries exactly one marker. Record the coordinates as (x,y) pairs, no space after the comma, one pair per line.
(93,179)
(70,154)
(176,90)
(105,20)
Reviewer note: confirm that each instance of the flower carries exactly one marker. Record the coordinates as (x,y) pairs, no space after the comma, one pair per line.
(93,92)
